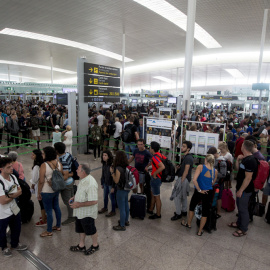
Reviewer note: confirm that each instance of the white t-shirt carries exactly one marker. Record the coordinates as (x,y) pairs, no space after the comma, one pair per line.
(118,129)
(265,132)
(5,210)
(229,157)
(100,119)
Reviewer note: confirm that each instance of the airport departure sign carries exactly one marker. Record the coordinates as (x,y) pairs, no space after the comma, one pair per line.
(101,99)
(101,70)
(101,80)
(93,91)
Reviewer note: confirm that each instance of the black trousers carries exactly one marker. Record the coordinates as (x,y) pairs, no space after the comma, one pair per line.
(95,150)
(12,139)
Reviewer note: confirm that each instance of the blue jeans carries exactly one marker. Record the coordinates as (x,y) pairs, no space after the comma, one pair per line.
(106,193)
(243,214)
(14,223)
(51,202)
(155,185)
(122,201)
(132,147)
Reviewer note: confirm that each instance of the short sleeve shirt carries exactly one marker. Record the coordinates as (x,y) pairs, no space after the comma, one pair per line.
(187,160)
(142,158)
(66,161)
(155,161)
(248,164)
(133,130)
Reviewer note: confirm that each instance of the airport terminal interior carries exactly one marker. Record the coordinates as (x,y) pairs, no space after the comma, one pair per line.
(176,70)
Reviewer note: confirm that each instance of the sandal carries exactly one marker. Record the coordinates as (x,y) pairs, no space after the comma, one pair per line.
(77,248)
(185,225)
(239,233)
(91,250)
(200,234)
(55,228)
(233,225)
(45,234)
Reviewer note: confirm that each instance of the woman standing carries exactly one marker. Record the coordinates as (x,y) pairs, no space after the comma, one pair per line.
(107,183)
(118,172)
(105,134)
(38,160)
(56,135)
(204,178)
(68,139)
(95,135)
(17,166)
(49,198)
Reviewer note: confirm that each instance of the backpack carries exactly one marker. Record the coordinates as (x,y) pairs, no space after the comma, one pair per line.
(112,129)
(262,174)
(132,178)
(168,173)
(228,173)
(26,193)
(6,124)
(74,168)
(34,123)
(96,134)
(127,136)
(57,181)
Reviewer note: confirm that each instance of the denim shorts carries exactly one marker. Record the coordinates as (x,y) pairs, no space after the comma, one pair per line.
(266,190)
(155,185)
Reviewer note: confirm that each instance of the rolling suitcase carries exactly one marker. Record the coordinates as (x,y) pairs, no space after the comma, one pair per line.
(138,206)
(228,202)
(27,211)
(267,216)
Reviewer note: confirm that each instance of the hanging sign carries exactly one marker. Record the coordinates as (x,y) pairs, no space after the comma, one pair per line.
(101,70)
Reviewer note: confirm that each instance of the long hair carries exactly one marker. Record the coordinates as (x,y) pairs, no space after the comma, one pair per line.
(120,159)
(211,160)
(39,159)
(110,159)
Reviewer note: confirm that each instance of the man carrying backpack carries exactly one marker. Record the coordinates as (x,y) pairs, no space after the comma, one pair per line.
(130,136)
(157,168)
(247,167)
(68,192)
(184,175)
(34,120)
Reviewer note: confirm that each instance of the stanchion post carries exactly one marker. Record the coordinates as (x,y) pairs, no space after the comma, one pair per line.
(38,146)
(87,148)
(8,144)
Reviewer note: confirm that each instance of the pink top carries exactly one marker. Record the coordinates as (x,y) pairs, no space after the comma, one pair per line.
(19,168)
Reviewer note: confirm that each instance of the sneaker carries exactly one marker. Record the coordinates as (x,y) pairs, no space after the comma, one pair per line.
(126,223)
(150,212)
(95,159)
(184,214)
(21,247)
(7,252)
(68,221)
(41,223)
(111,214)
(119,228)
(176,217)
(155,216)
(103,210)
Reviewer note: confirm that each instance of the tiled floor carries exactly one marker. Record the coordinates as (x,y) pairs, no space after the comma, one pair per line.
(147,244)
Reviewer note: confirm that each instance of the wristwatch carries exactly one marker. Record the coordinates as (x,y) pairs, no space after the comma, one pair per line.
(200,190)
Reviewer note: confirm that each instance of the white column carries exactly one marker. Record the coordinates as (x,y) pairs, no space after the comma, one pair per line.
(82,107)
(51,70)
(72,121)
(265,18)
(123,63)
(189,53)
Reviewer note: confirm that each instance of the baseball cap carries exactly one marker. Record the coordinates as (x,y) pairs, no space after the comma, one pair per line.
(56,127)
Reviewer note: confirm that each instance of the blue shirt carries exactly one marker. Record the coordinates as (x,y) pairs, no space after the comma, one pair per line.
(205,183)
(250,129)
(234,132)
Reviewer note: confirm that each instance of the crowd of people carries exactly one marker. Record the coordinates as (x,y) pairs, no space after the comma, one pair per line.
(117,140)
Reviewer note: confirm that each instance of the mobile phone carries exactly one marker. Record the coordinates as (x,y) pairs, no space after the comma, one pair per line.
(71,201)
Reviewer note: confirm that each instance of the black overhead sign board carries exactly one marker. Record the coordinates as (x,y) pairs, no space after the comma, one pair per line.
(220,97)
(101,80)
(101,70)
(260,86)
(101,99)
(92,91)
(257,98)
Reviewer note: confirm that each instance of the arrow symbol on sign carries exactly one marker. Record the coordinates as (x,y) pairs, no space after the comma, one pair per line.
(90,69)
(91,92)
(90,81)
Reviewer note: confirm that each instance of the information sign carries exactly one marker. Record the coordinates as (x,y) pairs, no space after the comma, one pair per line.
(92,91)
(101,99)
(101,80)
(101,70)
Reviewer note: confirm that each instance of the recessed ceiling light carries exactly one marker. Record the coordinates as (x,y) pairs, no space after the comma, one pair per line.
(163,79)
(174,15)
(235,73)
(62,41)
(36,66)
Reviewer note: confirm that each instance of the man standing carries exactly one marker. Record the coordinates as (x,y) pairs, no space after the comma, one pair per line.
(85,205)
(117,134)
(68,192)
(34,120)
(157,168)
(184,175)
(247,167)
(142,160)
(9,211)
(100,118)
(14,129)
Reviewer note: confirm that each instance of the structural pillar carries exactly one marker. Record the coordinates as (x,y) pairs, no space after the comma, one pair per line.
(123,64)
(51,70)
(265,18)
(82,107)
(189,53)
(72,121)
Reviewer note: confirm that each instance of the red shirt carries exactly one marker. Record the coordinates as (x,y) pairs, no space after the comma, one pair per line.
(238,145)
(156,159)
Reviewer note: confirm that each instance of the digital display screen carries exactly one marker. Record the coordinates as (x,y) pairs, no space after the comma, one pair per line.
(255,106)
(62,99)
(134,100)
(172,100)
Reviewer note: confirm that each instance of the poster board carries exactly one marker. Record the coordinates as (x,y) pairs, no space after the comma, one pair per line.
(202,141)
(159,130)
(165,111)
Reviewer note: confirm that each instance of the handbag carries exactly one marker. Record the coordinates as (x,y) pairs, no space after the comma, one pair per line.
(259,208)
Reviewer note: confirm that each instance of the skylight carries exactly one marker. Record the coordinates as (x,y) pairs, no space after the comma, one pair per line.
(174,15)
(62,41)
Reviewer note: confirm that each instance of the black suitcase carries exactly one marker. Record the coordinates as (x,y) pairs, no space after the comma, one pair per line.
(147,190)
(138,206)
(211,222)
(267,216)
(27,211)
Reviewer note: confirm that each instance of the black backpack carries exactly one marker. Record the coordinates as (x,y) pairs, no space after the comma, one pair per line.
(34,123)
(74,168)
(112,129)
(168,174)
(127,136)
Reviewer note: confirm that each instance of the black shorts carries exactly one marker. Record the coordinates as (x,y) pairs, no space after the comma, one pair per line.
(85,225)
(117,140)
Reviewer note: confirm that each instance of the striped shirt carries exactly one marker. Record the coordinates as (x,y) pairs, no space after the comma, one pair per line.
(156,159)
(66,161)
(87,191)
